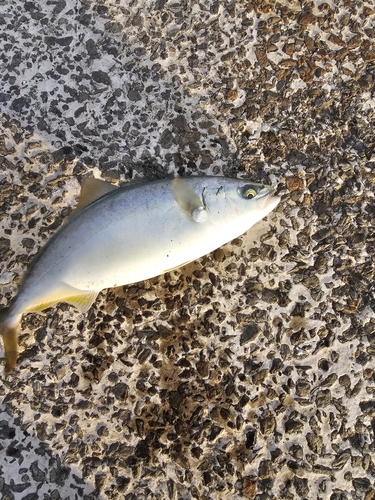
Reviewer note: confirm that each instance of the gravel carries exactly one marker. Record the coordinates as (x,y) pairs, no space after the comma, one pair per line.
(246,374)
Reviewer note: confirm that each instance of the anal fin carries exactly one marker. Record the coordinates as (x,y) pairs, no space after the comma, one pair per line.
(81,299)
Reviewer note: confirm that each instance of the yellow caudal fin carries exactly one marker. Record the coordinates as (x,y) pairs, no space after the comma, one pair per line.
(9,321)
(8,331)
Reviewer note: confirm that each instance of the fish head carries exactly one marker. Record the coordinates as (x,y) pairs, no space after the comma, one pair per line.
(239,202)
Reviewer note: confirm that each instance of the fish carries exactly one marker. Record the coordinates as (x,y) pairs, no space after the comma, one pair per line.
(121,235)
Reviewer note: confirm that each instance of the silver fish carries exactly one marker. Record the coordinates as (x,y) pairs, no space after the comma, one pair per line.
(121,235)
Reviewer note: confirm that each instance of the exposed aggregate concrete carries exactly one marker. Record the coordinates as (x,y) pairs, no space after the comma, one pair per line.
(249,373)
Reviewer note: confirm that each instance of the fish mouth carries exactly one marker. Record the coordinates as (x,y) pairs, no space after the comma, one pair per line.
(272,202)
(266,191)
(267,198)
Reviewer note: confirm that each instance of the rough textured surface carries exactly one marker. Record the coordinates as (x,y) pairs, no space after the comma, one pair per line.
(250,373)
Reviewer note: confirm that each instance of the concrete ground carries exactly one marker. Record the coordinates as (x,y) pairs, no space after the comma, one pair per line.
(249,373)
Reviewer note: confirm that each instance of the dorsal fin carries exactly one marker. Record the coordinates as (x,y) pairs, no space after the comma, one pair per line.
(91,190)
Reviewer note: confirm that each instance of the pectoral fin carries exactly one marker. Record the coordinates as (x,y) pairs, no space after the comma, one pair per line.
(188,200)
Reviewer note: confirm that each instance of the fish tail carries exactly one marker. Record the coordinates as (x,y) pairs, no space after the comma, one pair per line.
(8,330)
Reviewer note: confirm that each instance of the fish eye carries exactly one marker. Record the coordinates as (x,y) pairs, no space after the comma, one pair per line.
(248,192)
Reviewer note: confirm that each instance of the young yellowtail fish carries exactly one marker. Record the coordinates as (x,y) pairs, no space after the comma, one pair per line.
(121,235)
